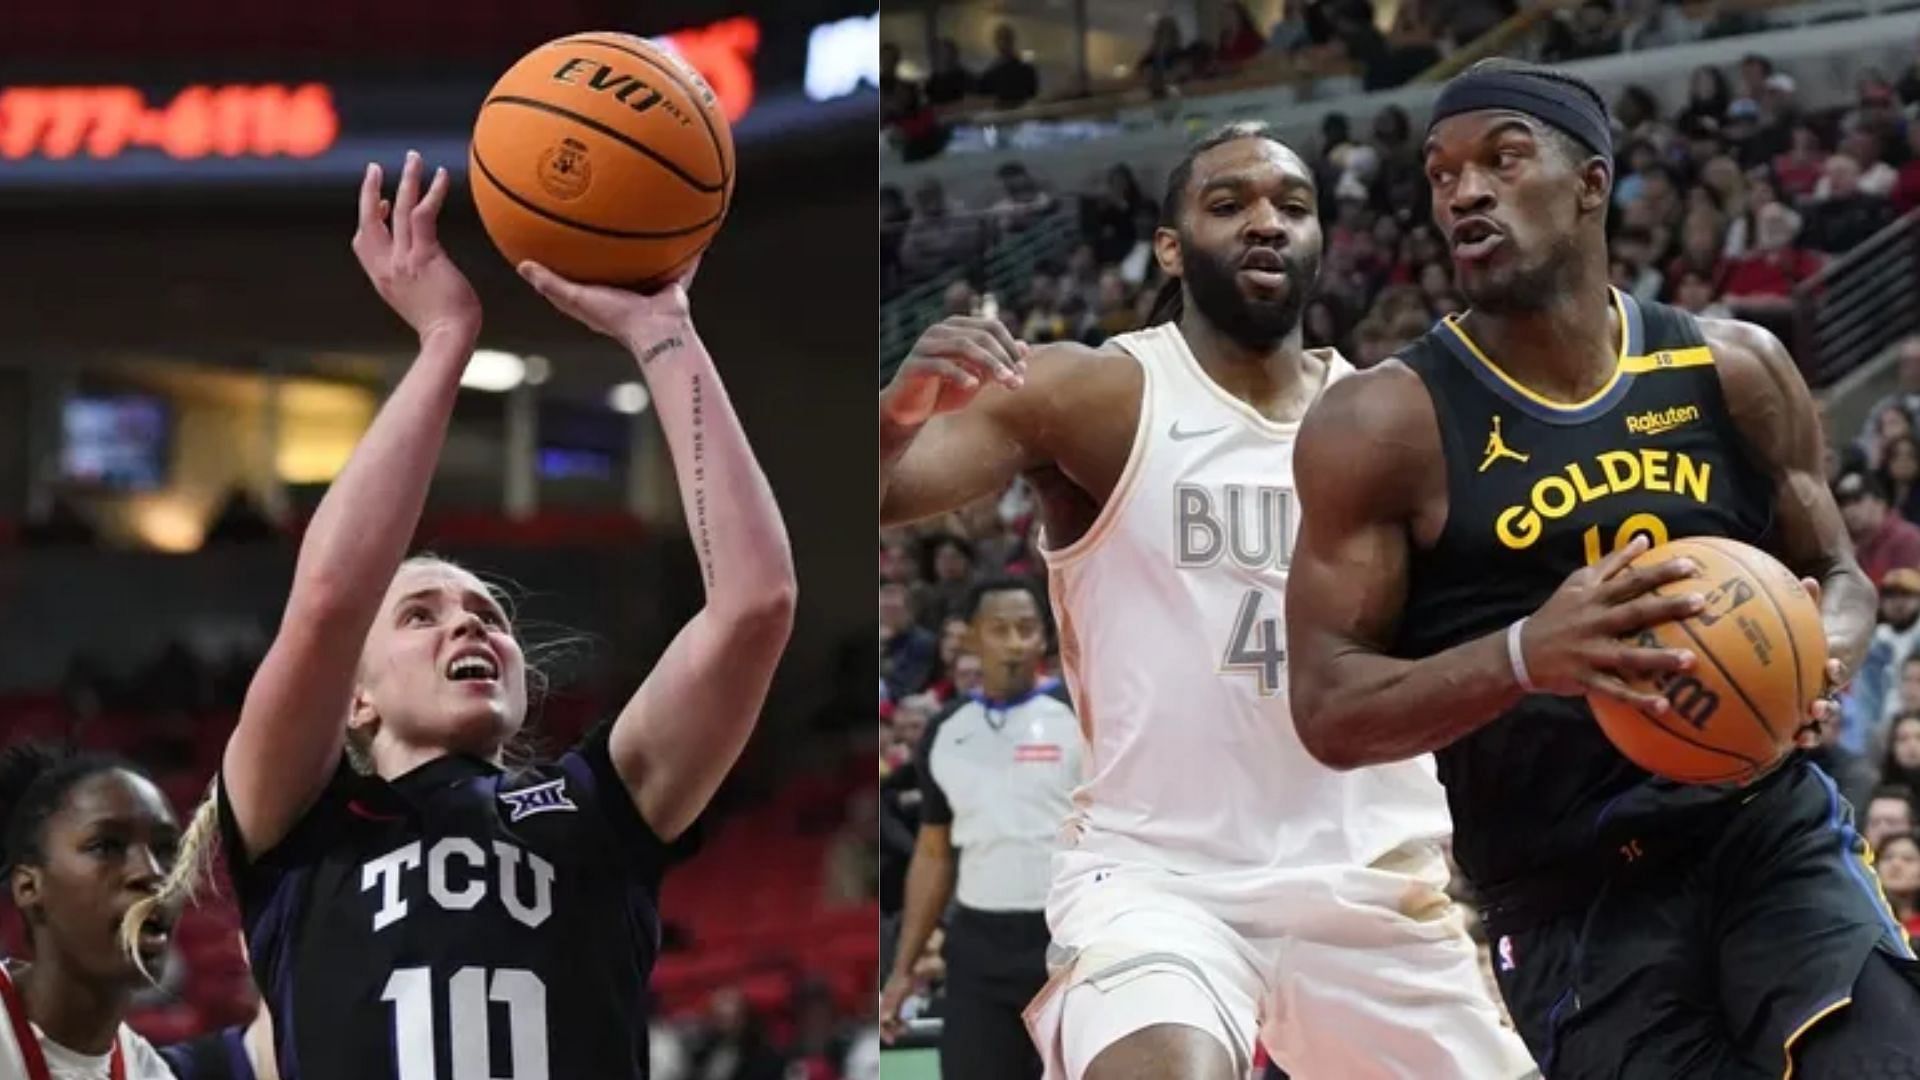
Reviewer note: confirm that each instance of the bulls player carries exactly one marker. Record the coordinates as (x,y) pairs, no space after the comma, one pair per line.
(441,917)
(1220,885)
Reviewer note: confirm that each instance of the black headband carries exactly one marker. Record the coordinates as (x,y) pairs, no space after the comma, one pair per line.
(1551,101)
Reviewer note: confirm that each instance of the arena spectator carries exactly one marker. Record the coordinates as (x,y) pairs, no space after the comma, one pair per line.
(908,651)
(1877,686)
(1883,540)
(1240,38)
(1902,762)
(1898,863)
(1293,32)
(851,875)
(732,1043)
(1905,398)
(1847,216)
(940,236)
(1023,203)
(1589,31)
(949,573)
(1900,471)
(1803,166)
(1010,81)
(1764,278)
(1889,812)
(1707,99)
(1889,422)
(1119,217)
(1169,59)
(1637,113)
(1633,270)
(949,82)
(1867,149)
(1721,177)
(1702,252)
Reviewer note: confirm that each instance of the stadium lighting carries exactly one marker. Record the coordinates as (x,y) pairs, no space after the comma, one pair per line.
(628,397)
(493,371)
(538,370)
(842,55)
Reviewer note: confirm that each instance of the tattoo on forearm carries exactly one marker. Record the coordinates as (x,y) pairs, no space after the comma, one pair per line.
(701,535)
(653,351)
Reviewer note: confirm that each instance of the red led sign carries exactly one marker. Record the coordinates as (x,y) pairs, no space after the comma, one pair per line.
(202,121)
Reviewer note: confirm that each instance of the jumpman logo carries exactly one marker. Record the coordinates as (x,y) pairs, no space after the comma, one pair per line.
(1497,448)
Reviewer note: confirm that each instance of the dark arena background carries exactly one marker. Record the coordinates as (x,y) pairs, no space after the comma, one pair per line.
(188,353)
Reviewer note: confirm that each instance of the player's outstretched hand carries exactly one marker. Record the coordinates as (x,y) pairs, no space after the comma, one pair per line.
(949,365)
(1574,645)
(633,318)
(1826,708)
(398,245)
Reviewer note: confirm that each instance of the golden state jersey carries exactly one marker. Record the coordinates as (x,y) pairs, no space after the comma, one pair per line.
(1535,490)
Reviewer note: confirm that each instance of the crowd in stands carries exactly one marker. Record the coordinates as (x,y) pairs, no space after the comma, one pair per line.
(1723,204)
(1311,39)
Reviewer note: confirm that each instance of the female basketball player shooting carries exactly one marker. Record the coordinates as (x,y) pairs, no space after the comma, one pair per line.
(442,918)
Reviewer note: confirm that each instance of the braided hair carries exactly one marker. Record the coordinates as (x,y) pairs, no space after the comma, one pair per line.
(1169,304)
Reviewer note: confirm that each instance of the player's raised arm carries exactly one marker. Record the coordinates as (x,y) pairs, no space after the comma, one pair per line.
(956,422)
(1777,419)
(1354,703)
(685,726)
(293,723)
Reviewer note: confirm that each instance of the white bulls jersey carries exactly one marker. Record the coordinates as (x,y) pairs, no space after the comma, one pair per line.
(1175,652)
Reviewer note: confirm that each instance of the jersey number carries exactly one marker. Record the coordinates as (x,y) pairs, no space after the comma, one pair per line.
(1653,527)
(470,994)
(1254,646)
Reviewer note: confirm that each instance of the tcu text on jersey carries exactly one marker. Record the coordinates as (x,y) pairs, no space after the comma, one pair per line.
(1254,525)
(457,876)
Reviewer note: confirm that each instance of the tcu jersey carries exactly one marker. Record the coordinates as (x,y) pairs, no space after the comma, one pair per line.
(1173,643)
(1535,491)
(459,923)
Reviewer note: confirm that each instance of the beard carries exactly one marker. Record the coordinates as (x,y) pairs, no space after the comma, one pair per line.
(1518,288)
(1256,324)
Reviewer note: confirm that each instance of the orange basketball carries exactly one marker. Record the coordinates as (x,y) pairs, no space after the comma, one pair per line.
(604,157)
(1760,660)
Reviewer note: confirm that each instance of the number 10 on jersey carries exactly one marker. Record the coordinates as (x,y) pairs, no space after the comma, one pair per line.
(1254,648)
(470,994)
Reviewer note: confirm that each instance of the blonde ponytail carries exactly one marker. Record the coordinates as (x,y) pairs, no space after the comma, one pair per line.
(194,862)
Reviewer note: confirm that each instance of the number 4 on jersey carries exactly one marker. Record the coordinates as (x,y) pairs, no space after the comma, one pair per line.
(1254,646)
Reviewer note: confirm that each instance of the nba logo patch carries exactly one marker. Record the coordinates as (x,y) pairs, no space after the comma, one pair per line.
(1505,950)
(537,799)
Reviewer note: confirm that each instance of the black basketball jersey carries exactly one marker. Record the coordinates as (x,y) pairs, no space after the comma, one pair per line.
(1536,490)
(459,923)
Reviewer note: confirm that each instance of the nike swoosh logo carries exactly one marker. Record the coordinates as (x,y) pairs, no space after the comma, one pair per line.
(1177,435)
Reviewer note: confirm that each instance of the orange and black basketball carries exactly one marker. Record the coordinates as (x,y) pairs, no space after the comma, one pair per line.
(604,157)
(1760,660)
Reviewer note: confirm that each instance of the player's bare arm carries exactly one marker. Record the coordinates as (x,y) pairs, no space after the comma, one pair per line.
(930,881)
(971,409)
(682,731)
(1771,405)
(293,723)
(1369,467)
